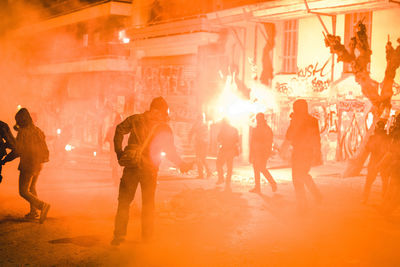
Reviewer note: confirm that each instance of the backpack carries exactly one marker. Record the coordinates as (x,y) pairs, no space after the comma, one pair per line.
(39,146)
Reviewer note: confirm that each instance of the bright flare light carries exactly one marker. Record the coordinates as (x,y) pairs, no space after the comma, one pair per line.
(238,110)
(58,131)
(19,107)
(68,147)
(163,154)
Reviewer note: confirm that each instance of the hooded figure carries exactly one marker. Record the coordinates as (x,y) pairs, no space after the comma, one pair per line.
(32,149)
(303,135)
(260,150)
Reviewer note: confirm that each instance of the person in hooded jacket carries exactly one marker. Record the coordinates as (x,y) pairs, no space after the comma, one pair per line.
(260,150)
(32,150)
(304,137)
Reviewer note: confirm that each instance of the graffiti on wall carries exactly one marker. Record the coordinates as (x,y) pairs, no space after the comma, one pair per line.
(170,81)
(308,80)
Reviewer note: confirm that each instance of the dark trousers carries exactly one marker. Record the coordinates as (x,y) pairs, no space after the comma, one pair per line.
(260,166)
(302,179)
(27,188)
(225,157)
(127,189)
(201,154)
(371,176)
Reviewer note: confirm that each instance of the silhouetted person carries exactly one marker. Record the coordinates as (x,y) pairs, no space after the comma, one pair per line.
(391,163)
(377,145)
(32,150)
(199,132)
(151,123)
(228,140)
(115,168)
(303,134)
(260,150)
(7,141)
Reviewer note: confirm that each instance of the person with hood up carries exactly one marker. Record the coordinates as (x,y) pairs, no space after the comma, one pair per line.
(304,137)
(260,150)
(32,150)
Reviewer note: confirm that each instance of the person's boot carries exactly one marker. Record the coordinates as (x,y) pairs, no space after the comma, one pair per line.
(256,190)
(31,215)
(43,212)
(117,240)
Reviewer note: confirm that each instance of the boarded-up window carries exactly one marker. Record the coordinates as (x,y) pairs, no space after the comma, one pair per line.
(290,32)
(351,21)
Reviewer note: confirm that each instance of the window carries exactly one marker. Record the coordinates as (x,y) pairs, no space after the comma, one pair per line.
(290,32)
(351,21)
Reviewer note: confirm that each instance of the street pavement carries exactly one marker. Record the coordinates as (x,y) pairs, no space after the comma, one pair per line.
(197,222)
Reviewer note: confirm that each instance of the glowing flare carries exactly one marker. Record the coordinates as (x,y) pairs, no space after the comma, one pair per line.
(68,147)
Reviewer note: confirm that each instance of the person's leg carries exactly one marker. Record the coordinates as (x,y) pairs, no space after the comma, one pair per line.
(229,167)
(25,179)
(267,174)
(298,183)
(199,163)
(127,190)
(371,176)
(203,159)
(32,190)
(385,182)
(148,185)
(257,187)
(219,165)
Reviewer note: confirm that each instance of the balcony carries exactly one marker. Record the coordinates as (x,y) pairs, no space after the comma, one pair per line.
(85,13)
(102,57)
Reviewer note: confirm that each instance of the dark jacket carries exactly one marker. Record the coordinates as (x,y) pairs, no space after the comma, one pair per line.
(228,138)
(31,144)
(138,127)
(377,145)
(7,141)
(261,142)
(303,134)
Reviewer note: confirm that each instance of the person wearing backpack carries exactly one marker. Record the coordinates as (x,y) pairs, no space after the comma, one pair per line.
(150,137)
(303,135)
(32,150)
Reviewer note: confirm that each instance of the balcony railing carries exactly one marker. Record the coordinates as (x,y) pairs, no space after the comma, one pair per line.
(101,51)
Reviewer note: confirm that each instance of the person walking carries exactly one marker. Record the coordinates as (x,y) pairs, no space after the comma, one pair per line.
(199,132)
(149,137)
(304,137)
(260,150)
(377,146)
(32,150)
(228,140)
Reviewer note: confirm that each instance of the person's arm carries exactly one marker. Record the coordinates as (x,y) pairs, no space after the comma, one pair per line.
(167,138)
(11,143)
(123,128)
(251,153)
